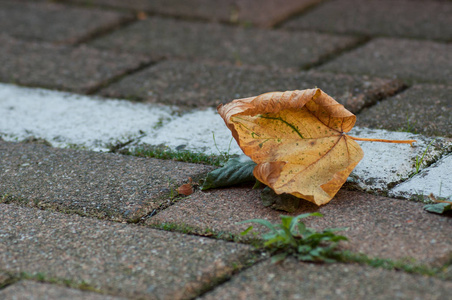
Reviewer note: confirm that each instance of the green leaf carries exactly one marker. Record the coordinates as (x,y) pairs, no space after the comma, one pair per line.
(277,239)
(338,238)
(233,172)
(244,232)
(297,218)
(289,238)
(262,222)
(336,229)
(301,228)
(304,249)
(316,252)
(439,208)
(286,221)
(279,257)
(305,257)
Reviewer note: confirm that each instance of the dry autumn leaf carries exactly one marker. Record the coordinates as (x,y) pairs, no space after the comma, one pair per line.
(298,140)
(186,189)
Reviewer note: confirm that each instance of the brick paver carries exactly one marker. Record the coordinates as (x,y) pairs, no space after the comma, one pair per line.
(410,60)
(160,37)
(195,84)
(117,259)
(34,290)
(295,280)
(116,187)
(254,12)
(377,226)
(425,109)
(55,22)
(402,18)
(79,69)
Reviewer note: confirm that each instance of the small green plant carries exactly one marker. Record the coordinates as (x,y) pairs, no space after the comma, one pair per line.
(420,160)
(225,155)
(409,127)
(292,237)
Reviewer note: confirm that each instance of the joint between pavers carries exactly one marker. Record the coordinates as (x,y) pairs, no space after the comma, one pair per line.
(252,261)
(278,24)
(380,94)
(103,84)
(326,58)
(103,31)
(6,279)
(93,5)
(41,277)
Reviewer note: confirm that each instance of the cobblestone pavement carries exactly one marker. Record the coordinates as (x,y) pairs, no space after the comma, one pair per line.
(82,82)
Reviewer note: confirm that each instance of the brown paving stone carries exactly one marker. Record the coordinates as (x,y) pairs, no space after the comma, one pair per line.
(257,12)
(410,60)
(55,22)
(295,280)
(30,290)
(117,259)
(197,85)
(160,37)
(425,109)
(414,19)
(79,69)
(378,226)
(103,185)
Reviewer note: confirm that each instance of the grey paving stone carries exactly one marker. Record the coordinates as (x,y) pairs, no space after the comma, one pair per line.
(378,226)
(78,69)
(401,18)
(196,84)
(118,259)
(102,185)
(257,12)
(425,109)
(56,22)
(30,290)
(159,37)
(295,280)
(410,60)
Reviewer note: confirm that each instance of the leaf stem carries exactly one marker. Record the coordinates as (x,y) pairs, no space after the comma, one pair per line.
(384,141)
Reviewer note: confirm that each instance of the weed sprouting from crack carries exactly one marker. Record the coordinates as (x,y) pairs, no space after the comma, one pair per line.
(409,127)
(420,160)
(292,237)
(225,155)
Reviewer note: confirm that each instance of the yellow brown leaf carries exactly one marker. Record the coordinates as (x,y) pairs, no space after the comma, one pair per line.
(297,138)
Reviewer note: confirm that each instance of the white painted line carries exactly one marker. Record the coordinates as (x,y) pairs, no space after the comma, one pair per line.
(386,164)
(436,180)
(65,119)
(199,131)
(383,164)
